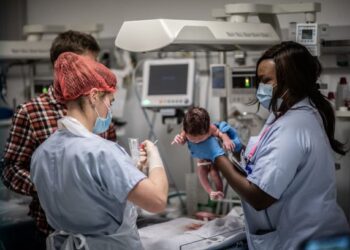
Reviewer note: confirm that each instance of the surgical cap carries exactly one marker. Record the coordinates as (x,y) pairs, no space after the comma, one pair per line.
(76,75)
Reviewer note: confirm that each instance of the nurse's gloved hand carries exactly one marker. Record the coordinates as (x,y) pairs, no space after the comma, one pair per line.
(153,157)
(208,149)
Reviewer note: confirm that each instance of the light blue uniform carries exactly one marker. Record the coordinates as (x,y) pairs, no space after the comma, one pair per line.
(83,182)
(294,163)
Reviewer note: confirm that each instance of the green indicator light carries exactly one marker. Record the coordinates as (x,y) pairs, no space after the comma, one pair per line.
(247,83)
(44,90)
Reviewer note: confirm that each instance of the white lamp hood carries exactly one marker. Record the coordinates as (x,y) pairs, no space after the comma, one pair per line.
(191,35)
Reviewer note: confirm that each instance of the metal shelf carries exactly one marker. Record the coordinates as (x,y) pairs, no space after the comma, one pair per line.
(342,114)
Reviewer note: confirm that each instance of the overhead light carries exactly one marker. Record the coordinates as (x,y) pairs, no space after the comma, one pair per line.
(191,35)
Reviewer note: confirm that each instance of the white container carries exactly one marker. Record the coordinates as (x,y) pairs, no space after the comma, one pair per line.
(342,93)
(134,146)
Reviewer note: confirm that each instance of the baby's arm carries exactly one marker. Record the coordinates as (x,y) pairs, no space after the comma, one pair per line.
(179,138)
(226,140)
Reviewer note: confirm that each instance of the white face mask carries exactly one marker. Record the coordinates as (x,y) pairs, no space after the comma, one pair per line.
(264,95)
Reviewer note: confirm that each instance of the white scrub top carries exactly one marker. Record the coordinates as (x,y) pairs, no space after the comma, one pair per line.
(83,181)
(294,163)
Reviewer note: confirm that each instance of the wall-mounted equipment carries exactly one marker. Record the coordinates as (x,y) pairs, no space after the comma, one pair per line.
(220,78)
(168,83)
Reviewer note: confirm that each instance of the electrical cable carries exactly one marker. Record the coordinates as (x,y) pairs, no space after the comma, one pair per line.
(151,126)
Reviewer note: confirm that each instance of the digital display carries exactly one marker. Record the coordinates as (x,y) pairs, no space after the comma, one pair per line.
(243,82)
(307,34)
(218,77)
(168,79)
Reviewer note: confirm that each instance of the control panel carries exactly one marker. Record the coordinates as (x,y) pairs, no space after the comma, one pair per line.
(243,85)
(307,34)
(220,79)
(168,102)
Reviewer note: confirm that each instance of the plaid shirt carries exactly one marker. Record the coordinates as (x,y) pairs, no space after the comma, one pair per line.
(32,124)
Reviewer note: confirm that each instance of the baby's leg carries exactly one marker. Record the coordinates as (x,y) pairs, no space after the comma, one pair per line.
(216,178)
(203,167)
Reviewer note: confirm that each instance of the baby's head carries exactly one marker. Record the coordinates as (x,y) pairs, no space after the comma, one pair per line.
(196,124)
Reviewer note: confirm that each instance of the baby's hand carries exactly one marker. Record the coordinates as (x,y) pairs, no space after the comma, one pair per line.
(228,145)
(179,139)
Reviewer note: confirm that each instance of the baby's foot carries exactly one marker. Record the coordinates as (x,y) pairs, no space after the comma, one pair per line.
(216,195)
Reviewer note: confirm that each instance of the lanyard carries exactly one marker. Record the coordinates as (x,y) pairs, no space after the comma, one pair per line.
(253,150)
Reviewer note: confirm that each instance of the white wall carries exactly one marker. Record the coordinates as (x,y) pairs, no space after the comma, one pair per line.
(112,14)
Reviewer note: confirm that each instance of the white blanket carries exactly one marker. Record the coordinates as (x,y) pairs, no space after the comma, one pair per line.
(174,235)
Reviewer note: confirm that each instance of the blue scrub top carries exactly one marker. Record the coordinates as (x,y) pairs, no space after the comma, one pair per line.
(83,182)
(294,163)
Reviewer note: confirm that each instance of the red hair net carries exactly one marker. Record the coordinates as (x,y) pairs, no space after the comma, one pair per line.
(76,75)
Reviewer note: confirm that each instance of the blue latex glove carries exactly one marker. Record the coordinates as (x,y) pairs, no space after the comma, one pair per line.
(224,127)
(207,150)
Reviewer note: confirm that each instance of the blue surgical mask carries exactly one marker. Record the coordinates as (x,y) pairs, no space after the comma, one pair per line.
(264,95)
(102,124)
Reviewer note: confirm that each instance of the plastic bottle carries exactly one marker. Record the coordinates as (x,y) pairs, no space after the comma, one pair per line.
(342,93)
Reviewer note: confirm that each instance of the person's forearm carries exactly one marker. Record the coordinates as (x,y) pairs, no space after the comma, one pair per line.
(17,179)
(20,146)
(245,189)
(160,181)
(151,193)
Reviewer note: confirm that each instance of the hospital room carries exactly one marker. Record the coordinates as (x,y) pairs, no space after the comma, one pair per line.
(174,124)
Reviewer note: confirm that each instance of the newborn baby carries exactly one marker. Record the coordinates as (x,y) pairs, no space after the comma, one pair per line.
(196,129)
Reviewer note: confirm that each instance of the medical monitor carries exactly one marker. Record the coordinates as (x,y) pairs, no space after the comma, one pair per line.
(220,78)
(308,35)
(168,83)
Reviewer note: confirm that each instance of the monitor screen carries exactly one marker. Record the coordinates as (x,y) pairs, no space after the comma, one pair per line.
(168,83)
(307,34)
(218,77)
(168,79)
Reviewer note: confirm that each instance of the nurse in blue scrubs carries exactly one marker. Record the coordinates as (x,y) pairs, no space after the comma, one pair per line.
(87,185)
(289,190)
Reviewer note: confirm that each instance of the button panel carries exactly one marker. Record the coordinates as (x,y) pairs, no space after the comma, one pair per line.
(180,101)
